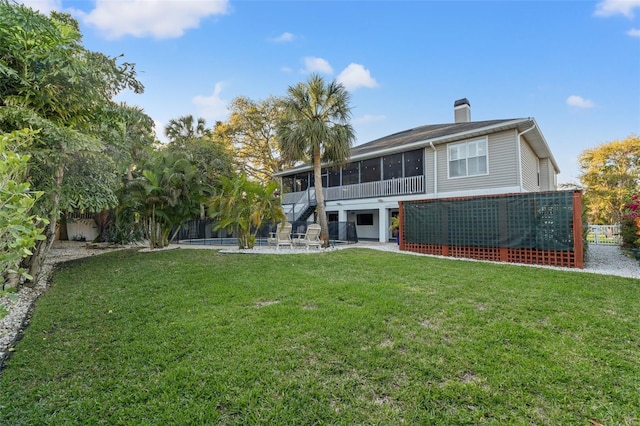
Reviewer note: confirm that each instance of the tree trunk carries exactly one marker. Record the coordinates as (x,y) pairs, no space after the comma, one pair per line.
(102,220)
(320,208)
(63,233)
(35,262)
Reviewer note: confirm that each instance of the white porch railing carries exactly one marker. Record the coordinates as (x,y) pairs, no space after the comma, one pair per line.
(604,234)
(294,197)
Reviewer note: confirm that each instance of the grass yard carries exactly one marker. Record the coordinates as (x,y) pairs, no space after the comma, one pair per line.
(347,337)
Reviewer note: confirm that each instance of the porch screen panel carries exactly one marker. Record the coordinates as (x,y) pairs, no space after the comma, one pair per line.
(414,163)
(334,177)
(392,166)
(370,170)
(351,174)
(301,182)
(288,184)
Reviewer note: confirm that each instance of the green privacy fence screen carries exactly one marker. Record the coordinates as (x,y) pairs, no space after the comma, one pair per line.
(540,228)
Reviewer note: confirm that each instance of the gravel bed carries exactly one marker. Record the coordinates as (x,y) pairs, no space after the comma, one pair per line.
(607,260)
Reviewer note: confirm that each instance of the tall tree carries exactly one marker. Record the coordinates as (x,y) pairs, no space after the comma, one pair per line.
(129,136)
(610,174)
(206,150)
(50,82)
(316,129)
(185,128)
(252,131)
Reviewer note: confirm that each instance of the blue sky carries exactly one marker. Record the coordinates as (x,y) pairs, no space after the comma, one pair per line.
(574,66)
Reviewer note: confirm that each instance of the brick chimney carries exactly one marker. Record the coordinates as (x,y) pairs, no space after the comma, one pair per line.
(462,110)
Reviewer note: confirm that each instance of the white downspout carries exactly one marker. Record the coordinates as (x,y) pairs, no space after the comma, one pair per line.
(520,154)
(435,169)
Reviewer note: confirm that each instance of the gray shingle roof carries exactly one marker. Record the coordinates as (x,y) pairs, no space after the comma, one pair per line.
(443,133)
(423,133)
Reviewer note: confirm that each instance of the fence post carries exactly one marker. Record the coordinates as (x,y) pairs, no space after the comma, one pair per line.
(578,248)
(401,224)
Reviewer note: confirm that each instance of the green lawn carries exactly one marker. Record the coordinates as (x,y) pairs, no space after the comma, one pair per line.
(348,337)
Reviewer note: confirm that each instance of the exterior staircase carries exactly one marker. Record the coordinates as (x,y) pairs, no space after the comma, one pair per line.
(301,209)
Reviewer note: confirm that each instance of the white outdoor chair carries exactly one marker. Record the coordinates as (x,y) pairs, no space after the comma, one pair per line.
(310,238)
(283,235)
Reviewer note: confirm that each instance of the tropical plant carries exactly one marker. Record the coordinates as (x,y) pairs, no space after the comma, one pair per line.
(243,206)
(316,129)
(395,224)
(129,136)
(206,150)
(50,82)
(166,194)
(20,229)
(185,128)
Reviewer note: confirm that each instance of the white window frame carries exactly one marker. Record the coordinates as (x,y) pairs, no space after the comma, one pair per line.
(466,157)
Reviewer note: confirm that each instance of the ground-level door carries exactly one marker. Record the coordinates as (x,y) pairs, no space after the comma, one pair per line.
(392,235)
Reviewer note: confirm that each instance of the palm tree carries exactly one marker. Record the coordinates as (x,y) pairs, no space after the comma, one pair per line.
(185,128)
(241,205)
(167,194)
(316,129)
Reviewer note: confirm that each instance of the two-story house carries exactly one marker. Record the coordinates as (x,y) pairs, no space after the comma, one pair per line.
(463,158)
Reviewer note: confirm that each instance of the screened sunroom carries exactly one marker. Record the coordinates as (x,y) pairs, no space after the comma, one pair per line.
(395,174)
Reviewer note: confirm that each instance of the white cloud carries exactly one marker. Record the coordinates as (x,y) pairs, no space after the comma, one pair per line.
(155,18)
(286,69)
(313,64)
(355,76)
(44,6)
(212,108)
(284,38)
(634,32)
(615,7)
(369,118)
(580,102)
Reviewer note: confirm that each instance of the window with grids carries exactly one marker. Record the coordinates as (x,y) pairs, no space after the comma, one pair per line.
(468,158)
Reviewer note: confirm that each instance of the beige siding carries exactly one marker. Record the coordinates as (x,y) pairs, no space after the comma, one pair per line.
(529,167)
(547,175)
(503,166)
(428,170)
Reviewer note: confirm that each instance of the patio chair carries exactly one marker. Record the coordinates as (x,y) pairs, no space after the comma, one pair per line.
(283,235)
(272,239)
(310,238)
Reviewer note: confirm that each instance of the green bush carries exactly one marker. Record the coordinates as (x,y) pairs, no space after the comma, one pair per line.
(19,229)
